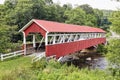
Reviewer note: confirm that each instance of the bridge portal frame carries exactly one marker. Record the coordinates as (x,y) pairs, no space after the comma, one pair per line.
(61,38)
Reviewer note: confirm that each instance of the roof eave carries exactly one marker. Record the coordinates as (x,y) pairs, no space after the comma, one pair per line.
(41,26)
(29,23)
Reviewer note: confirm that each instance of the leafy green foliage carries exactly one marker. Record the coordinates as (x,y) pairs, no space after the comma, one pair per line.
(101,49)
(113,48)
(91,20)
(5,40)
(115,19)
(40,64)
(86,15)
(7,33)
(53,71)
(75,16)
(87,9)
(102,18)
(19,12)
(113,52)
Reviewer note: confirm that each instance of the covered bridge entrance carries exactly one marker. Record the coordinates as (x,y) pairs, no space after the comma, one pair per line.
(62,39)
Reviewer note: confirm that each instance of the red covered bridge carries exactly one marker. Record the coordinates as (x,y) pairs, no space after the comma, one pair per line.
(62,39)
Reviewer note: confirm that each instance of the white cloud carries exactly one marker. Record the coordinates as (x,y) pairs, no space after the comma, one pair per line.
(2,1)
(101,4)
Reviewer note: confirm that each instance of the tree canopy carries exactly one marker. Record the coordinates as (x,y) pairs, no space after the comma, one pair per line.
(115,19)
(17,13)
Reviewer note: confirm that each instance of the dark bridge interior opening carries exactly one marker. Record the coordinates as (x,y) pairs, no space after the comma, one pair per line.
(37,46)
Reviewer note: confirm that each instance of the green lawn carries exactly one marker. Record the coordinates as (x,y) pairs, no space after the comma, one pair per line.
(12,64)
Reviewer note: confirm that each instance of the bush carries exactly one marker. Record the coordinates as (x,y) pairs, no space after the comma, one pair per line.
(54,64)
(40,64)
(101,49)
(21,73)
(53,70)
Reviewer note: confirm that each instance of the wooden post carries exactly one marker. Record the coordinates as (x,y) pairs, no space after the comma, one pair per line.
(24,43)
(54,39)
(14,53)
(46,39)
(34,41)
(1,57)
(46,42)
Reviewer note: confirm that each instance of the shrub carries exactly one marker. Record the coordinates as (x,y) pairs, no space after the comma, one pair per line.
(40,64)
(101,49)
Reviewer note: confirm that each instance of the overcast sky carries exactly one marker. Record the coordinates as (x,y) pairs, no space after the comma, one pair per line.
(101,4)
(1,1)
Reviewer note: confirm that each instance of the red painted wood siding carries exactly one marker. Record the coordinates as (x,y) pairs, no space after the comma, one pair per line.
(71,47)
(35,29)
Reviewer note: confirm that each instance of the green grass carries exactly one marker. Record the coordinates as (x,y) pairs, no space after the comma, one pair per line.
(12,64)
(22,69)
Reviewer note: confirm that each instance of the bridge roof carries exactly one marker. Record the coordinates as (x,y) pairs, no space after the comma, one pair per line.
(51,26)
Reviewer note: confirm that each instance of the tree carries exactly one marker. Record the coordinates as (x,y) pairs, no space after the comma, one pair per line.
(54,13)
(10,3)
(4,38)
(2,13)
(113,49)
(114,46)
(87,8)
(22,13)
(113,55)
(115,19)
(113,52)
(75,16)
(81,16)
(67,6)
(102,18)
(105,23)
(98,14)
(91,20)
(48,2)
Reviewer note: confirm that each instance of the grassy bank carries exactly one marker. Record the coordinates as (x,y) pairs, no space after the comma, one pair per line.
(12,64)
(22,69)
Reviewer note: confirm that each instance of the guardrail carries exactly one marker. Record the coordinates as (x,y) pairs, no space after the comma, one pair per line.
(41,55)
(12,54)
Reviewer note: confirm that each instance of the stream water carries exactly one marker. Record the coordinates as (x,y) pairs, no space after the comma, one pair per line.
(96,61)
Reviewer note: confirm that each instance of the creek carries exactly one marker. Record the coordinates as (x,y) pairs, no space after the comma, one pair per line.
(90,60)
